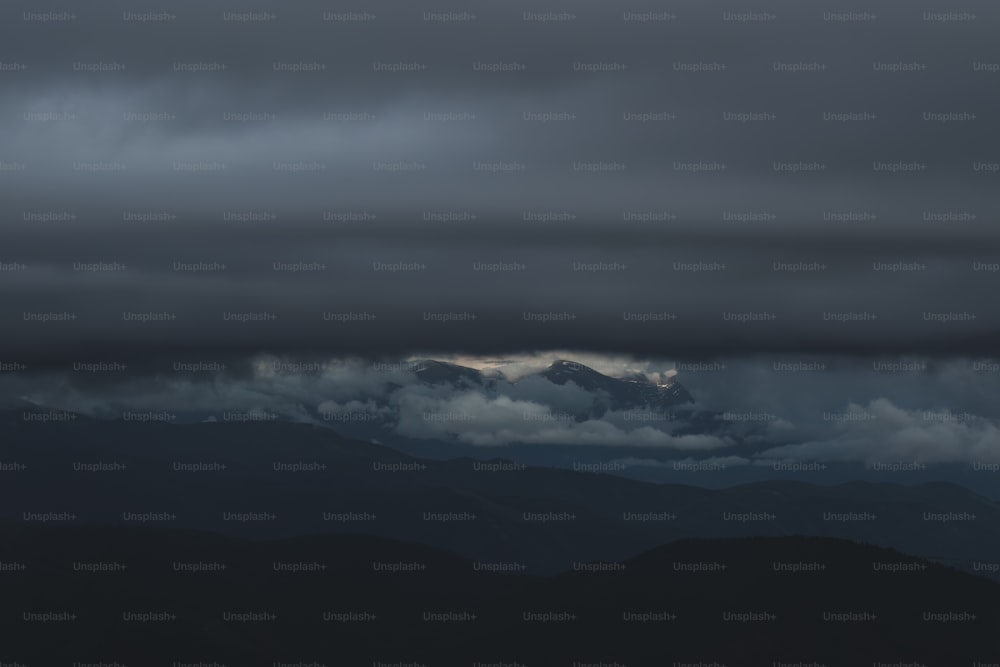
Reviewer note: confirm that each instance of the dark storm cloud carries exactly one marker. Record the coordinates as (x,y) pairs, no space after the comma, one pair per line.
(101,171)
(354,303)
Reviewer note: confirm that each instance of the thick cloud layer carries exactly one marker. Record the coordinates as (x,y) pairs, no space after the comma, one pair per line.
(831,190)
(757,413)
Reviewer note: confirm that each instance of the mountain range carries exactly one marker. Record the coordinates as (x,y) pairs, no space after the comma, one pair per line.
(634,392)
(304,479)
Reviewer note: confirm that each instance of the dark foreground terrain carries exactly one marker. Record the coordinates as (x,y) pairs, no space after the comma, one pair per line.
(128,595)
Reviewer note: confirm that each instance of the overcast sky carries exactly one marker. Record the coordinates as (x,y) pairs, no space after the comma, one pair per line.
(104,220)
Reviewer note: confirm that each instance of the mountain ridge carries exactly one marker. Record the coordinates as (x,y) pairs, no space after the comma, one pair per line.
(281,468)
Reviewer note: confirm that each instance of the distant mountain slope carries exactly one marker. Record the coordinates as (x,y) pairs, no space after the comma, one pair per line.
(629,393)
(441,372)
(313,481)
(569,390)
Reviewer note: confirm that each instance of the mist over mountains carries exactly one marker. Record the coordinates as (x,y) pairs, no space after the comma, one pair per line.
(276,479)
(257,541)
(710,424)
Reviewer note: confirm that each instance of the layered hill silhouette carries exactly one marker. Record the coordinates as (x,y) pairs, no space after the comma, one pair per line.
(274,479)
(160,597)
